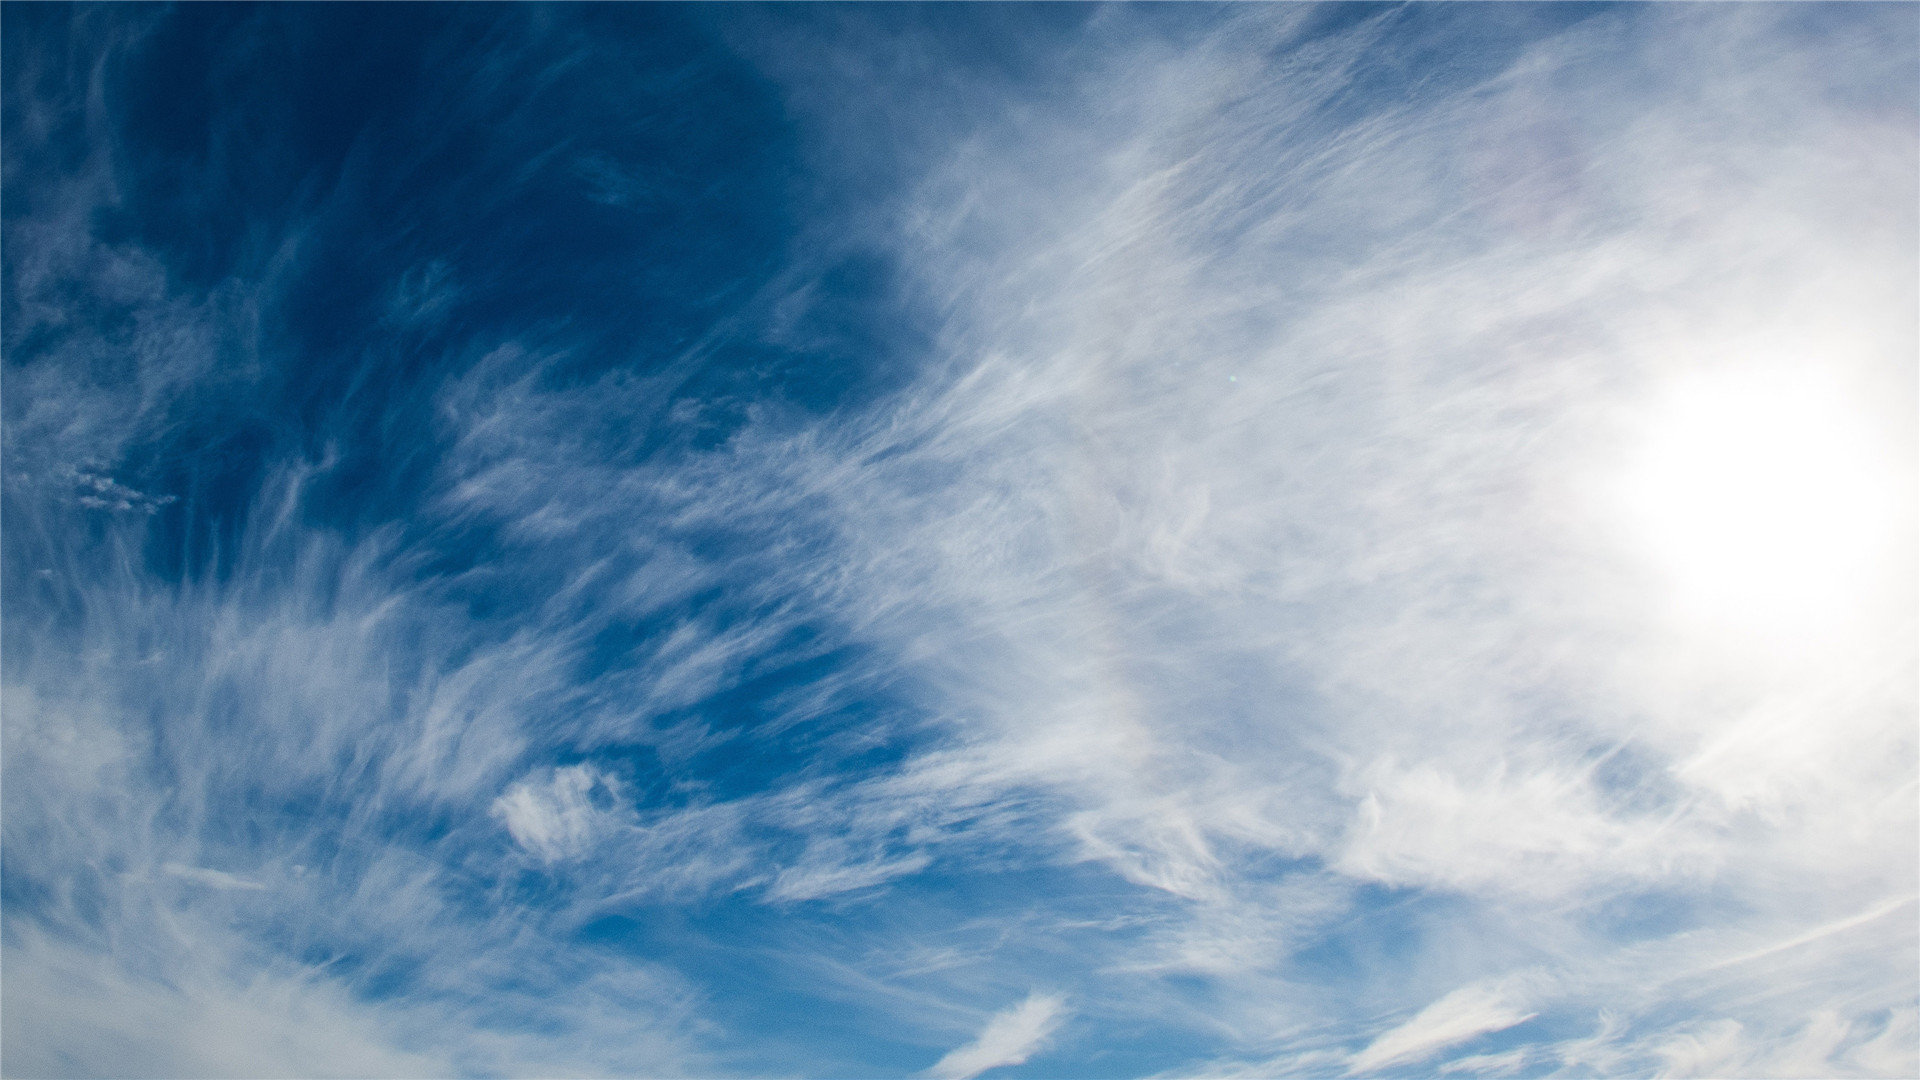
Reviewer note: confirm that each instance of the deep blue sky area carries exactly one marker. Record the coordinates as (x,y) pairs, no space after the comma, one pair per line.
(1072,540)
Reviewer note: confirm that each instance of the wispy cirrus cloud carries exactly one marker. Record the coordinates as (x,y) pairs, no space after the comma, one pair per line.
(1197,484)
(1212,617)
(1268,437)
(1010,1038)
(1461,1015)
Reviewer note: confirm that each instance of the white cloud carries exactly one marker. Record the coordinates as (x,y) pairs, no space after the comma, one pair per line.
(556,816)
(813,879)
(1243,516)
(351,680)
(1521,830)
(69,1012)
(195,1000)
(1010,1038)
(1824,1043)
(1470,1011)
(1234,532)
(1384,503)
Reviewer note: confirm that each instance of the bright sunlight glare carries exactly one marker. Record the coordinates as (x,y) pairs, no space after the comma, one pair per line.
(1757,498)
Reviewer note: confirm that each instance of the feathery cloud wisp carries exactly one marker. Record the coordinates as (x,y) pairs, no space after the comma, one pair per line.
(1010,1038)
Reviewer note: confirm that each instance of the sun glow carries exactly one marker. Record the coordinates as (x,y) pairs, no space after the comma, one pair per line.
(1758,500)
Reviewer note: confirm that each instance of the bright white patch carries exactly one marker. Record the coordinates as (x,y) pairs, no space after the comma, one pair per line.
(1529,831)
(1010,1038)
(557,818)
(1758,499)
(1467,1012)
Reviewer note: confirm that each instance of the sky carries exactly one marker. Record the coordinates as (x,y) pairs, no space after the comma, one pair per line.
(959,540)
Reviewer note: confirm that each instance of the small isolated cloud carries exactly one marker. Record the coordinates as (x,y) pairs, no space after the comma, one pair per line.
(555,818)
(1472,1010)
(98,491)
(1010,1038)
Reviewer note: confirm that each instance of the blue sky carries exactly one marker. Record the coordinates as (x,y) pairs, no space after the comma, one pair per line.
(1071,541)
